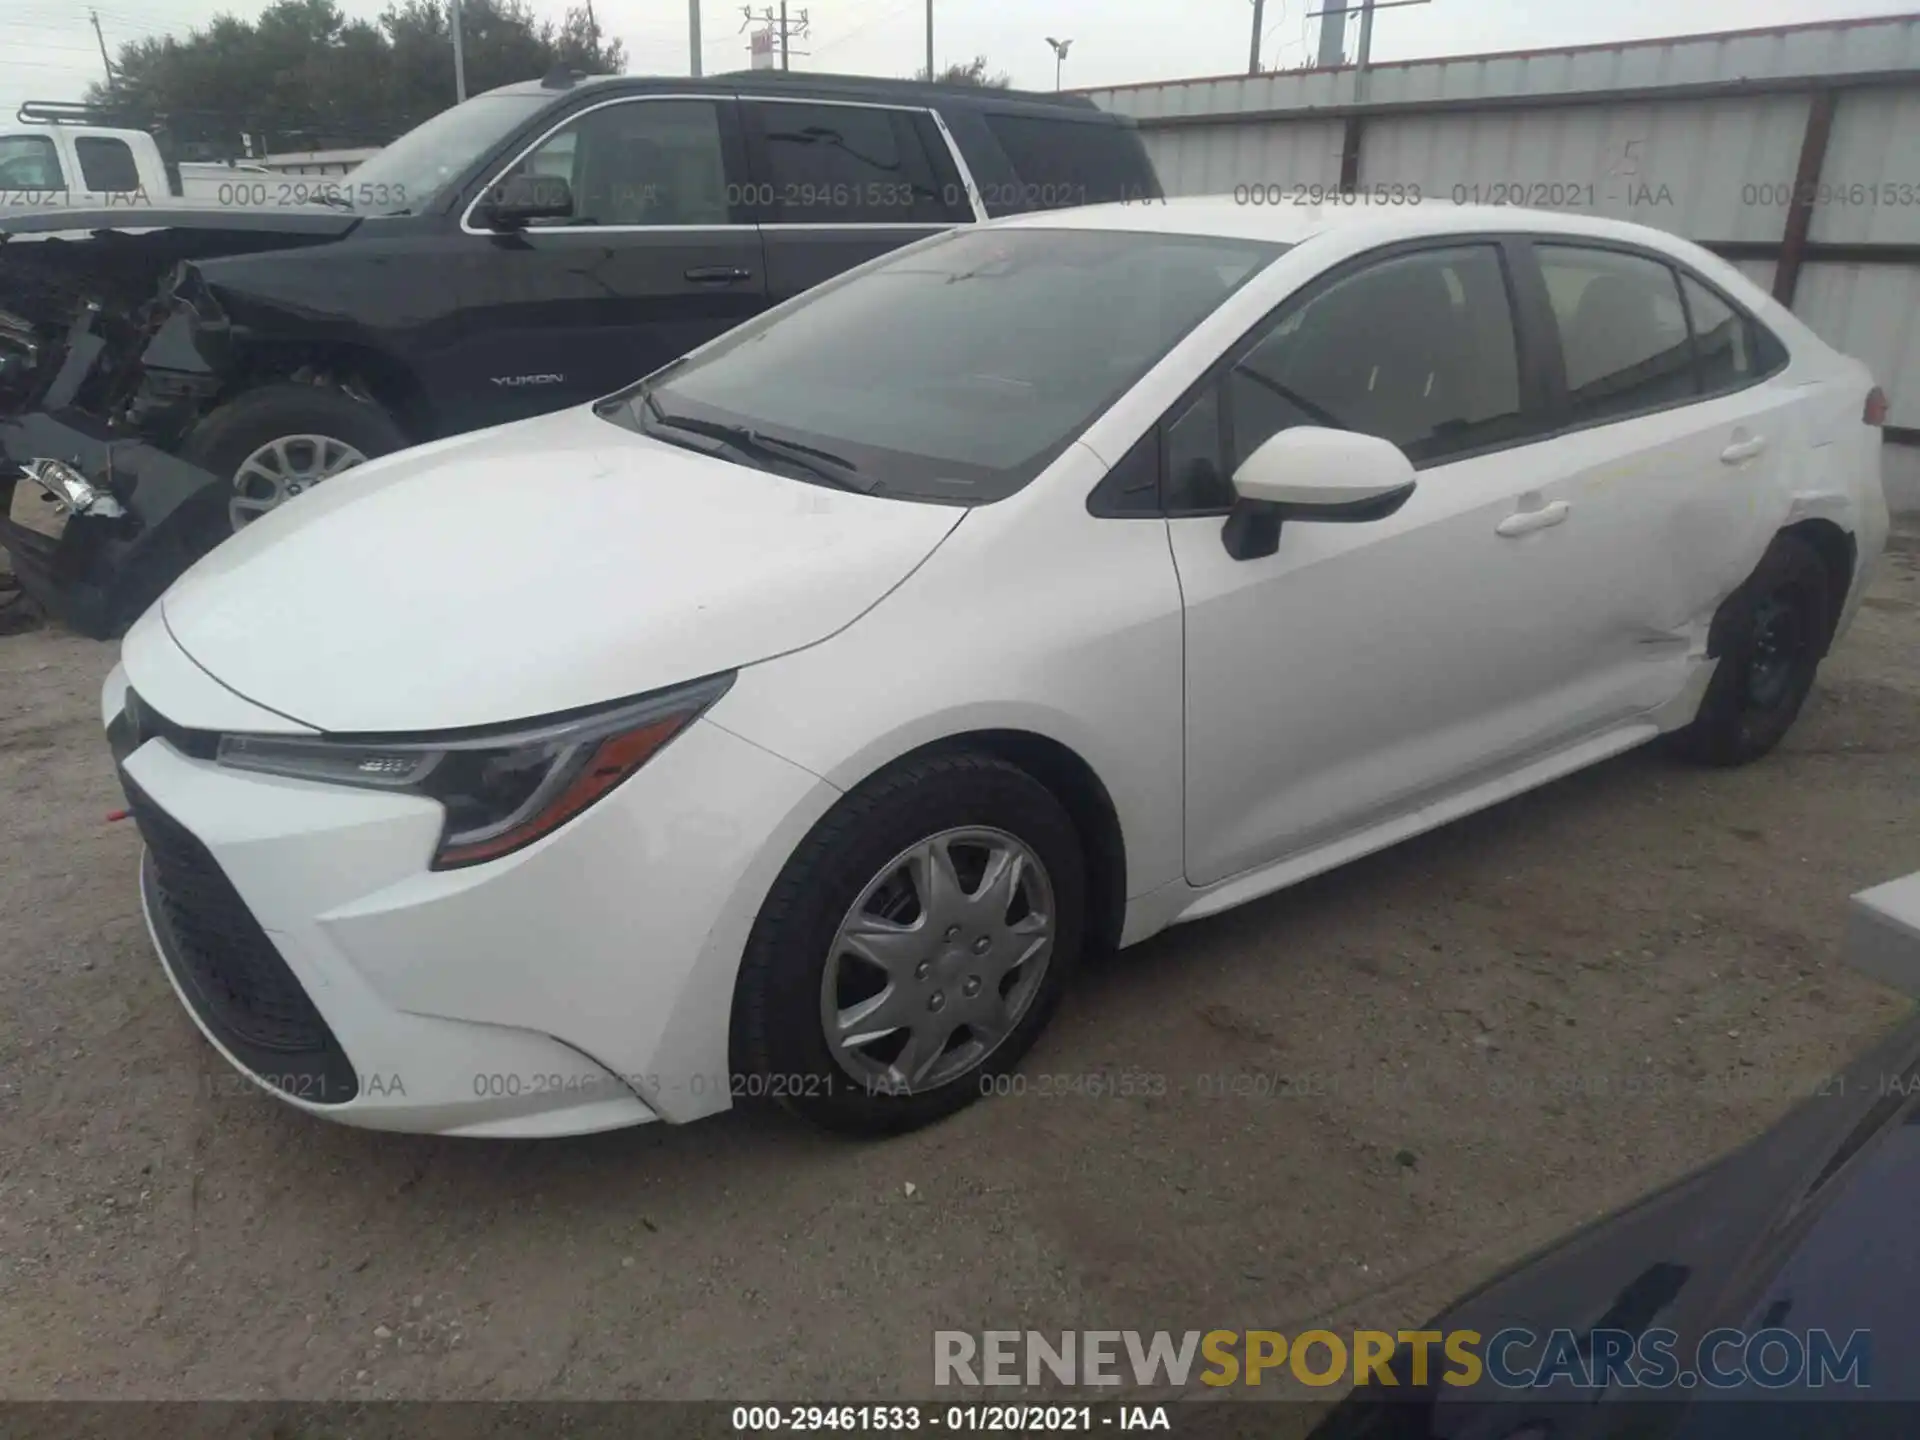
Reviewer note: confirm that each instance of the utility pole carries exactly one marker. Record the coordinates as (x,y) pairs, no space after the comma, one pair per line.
(929,40)
(459,53)
(1253,52)
(95,15)
(693,35)
(779,26)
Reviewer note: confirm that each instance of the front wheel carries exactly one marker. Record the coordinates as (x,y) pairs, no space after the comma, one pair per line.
(1774,631)
(281,440)
(913,947)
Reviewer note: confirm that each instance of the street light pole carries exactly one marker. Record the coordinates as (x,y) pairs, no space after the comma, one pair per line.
(459,53)
(693,36)
(929,40)
(1059,57)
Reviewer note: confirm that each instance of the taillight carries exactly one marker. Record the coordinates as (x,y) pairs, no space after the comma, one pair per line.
(1876,406)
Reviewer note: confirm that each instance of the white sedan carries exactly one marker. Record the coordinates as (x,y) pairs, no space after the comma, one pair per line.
(793,723)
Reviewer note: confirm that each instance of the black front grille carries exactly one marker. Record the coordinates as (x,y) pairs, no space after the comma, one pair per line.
(226,964)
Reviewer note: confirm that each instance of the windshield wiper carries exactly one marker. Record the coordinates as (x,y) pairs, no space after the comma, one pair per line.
(823,465)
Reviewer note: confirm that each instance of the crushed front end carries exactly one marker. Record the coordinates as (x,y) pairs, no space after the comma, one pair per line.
(142,517)
(109,348)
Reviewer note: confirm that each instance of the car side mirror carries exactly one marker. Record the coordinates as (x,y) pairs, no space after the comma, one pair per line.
(519,199)
(1310,472)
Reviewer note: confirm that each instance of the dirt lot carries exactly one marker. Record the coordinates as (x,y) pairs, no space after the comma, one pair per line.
(1452,1052)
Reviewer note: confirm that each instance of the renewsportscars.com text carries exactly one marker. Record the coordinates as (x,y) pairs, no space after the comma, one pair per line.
(1513,1359)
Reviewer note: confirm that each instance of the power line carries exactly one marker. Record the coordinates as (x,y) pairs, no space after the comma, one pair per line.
(893,12)
(65,49)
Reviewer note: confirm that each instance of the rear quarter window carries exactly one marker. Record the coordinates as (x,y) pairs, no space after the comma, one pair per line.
(1063,162)
(106,164)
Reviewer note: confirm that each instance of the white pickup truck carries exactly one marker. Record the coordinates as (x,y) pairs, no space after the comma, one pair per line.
(66,165)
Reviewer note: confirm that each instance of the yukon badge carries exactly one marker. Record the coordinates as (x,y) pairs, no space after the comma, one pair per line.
(513,382)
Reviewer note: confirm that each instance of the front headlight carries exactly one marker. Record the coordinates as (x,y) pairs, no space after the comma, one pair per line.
(502,788)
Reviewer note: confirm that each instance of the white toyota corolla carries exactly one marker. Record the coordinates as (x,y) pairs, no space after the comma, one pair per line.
(792,723)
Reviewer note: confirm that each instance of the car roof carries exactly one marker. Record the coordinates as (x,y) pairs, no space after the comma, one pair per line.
(1354,223)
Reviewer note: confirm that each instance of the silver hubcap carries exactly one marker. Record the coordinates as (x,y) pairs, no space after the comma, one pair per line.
(281,469)
(938,960)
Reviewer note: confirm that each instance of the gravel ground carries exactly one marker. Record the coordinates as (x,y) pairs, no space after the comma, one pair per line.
(1436,1059)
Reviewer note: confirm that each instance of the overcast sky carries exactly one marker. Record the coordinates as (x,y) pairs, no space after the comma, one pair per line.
(48,50)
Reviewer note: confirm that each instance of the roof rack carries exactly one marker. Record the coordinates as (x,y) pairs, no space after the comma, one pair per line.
(957,89)
(65,112)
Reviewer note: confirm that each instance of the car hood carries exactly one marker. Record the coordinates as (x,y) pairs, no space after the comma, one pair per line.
(77,222)
(530,569)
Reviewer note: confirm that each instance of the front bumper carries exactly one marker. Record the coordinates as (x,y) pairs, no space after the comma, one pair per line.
(100,574)
(581,984)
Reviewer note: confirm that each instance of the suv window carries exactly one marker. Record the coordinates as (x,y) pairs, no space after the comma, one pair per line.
(106,164)
(1623,335)
(1418,350)
(827,164)
(639,162)
(1067,162)
(29,162)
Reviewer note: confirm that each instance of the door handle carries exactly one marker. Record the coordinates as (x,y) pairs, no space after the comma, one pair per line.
(1743,450)
(1523,522)
(718,274)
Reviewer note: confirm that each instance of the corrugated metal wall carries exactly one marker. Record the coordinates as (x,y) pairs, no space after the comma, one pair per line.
(1702,137)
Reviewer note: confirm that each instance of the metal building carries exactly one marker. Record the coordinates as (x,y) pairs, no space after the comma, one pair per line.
(1794,152)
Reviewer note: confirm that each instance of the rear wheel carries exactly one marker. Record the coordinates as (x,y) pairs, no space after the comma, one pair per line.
(279,441)
(914,946)
(1773,632)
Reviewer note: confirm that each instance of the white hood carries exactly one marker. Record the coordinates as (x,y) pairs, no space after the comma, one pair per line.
(534,568)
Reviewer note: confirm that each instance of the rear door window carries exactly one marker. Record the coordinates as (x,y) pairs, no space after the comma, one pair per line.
(1062,162)
(1623,333)
(822,163)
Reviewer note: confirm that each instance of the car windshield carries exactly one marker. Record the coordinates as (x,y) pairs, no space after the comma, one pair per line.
(955,370)
(407,174)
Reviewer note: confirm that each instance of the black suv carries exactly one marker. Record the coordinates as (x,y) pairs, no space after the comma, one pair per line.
(168,374)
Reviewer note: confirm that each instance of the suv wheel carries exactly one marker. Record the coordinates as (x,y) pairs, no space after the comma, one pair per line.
(280,440)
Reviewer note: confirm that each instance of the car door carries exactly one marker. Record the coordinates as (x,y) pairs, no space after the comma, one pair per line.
(838,182)
(658,256)
(1365,669)
(1668,446)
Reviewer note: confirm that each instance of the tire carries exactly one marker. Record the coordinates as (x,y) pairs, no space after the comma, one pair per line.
(1772,633)
(782,1009)
(238,430)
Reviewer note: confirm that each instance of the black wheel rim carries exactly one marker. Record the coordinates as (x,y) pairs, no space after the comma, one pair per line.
(1779,645)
